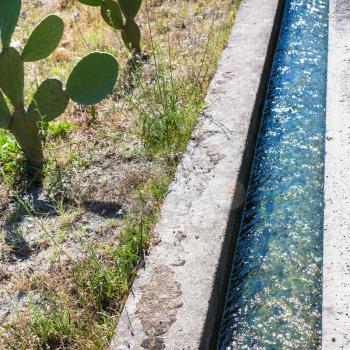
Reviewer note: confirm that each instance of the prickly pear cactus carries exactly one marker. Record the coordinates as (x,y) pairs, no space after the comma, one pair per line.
(9,12)
(120,15)
(112,14)
(92,79)
(44,39)
(12,76)
(49,101)
(5,114)
(130,8)
(131,35)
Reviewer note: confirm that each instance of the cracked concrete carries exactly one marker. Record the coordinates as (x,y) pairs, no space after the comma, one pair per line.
(336,261)
(176,300)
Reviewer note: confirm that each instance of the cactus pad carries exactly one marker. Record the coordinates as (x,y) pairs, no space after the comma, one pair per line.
(130,8)
(5,114)
(9,12)
(93,78)
(44,39)
(49,101)
(112,14)
(131,36)
(27,135)
(12,76)
(91,2)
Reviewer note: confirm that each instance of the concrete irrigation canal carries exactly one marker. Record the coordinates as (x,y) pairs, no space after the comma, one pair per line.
(254,238)
(275,294)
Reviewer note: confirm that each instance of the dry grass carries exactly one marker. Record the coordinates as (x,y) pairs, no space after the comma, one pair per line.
(69,251)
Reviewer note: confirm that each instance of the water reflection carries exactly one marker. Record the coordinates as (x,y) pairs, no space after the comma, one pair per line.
(274,299)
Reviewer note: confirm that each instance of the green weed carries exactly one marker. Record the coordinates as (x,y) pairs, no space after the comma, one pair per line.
(59,129)
(11,157)
(51,323)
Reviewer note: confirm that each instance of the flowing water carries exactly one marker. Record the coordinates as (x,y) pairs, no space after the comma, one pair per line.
(274,299)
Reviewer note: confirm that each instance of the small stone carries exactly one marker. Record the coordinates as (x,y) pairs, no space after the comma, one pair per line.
(179,262)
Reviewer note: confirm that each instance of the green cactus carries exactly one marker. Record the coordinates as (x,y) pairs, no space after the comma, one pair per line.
(120,15)
(91,80)
(112,14)
(44,39)
(9,13)
(5,114)
(130,8)
(49,101)
(131,35)
(12,76)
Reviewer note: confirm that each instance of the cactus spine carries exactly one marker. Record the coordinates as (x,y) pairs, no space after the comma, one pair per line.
(120,15)
(92,79)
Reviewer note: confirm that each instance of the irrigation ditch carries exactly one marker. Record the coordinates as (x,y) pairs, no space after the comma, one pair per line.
(274,297)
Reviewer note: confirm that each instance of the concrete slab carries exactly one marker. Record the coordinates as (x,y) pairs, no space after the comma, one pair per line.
(176,301)
(336,265)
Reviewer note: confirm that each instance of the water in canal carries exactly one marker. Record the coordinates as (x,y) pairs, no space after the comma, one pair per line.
(274,298)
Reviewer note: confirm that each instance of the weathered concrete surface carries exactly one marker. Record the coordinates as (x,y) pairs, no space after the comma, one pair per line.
(336,268)
(175,300)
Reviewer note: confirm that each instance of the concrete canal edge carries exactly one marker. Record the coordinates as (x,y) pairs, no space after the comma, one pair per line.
(336,255)
(177,300)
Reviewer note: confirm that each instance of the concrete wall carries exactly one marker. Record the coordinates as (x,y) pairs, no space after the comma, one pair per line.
(177,299)
(336,265)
